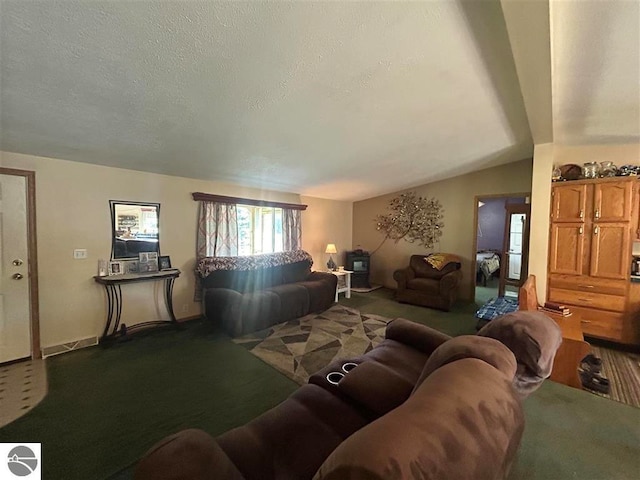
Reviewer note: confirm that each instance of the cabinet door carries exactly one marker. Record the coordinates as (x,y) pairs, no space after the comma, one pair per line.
(610,254)
(568,203)
(612,201)
(567,248)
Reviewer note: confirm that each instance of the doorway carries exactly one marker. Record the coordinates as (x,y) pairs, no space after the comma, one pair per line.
(498,253)
(19,314)
(514,269)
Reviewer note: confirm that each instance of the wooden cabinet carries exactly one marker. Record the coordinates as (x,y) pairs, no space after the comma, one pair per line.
(612,201)
(567,248)
(610,250)
(591,228)
(569,202)
(593,224)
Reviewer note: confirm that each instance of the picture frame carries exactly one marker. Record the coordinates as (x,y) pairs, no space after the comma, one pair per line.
(103,268)
(132,266)
(164,262)
(116,268)
(147,262)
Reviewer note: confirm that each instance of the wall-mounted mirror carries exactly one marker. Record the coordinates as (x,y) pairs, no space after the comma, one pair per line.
(135,228)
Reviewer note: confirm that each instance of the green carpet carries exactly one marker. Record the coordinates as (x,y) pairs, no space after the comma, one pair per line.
(574,434)
(459,321)
(107,406)
(484,294)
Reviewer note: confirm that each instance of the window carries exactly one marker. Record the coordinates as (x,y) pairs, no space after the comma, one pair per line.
(259,230)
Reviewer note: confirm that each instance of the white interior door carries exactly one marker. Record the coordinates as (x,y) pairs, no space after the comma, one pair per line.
(515,245)
(514,267)
(15,322)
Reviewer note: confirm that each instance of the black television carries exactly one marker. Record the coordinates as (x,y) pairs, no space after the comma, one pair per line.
(358,262)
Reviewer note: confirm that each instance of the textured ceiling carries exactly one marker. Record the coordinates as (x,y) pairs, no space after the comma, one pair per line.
(332,99)
(596,72)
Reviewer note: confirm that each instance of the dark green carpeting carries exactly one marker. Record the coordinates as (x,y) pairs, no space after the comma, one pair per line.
(107,406)
(459,321)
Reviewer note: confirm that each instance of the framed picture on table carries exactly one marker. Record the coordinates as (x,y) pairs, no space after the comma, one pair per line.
(132,266)
(147,262)
(116,268)
(165,262)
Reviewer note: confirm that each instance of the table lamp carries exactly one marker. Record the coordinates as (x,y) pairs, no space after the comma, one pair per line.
(331,248)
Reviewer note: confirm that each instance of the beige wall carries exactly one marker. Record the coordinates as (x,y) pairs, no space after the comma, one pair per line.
(545,158)
(540,210)
(457,196)
(326,221)
(72,207)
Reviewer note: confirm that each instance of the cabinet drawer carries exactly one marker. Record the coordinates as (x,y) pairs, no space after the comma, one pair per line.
(596,323)
(589,284)
(587,299)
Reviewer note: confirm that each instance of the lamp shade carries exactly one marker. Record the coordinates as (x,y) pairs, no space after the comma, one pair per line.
(331,248)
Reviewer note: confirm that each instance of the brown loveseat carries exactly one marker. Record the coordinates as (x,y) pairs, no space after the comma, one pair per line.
(419,406)
(422,284)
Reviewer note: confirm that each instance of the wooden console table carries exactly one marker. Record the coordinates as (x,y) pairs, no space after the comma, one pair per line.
(112,285)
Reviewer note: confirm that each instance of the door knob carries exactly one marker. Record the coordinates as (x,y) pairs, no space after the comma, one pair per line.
(17,276)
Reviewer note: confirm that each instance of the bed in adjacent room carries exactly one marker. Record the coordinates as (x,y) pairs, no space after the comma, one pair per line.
(487,264)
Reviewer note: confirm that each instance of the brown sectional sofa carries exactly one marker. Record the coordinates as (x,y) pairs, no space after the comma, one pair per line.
(419,406)
(246,294)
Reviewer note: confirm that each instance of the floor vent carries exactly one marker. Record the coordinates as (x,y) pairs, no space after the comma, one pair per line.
(68,347)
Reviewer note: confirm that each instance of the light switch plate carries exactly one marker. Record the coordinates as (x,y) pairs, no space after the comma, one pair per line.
(80,253)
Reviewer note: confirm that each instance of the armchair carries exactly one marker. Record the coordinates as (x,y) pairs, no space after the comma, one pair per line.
(422,284)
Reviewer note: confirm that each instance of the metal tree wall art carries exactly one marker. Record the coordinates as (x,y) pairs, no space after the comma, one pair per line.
(416,219)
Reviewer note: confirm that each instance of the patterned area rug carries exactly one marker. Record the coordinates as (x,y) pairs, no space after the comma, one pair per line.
(623,371)
(303,346)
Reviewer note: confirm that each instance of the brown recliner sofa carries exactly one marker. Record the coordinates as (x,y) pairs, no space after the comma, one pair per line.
(251,293)
(419,406)
(422,284)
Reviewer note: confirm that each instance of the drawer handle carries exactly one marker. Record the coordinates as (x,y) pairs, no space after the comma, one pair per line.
(584,300)
(585,321)
(586,286)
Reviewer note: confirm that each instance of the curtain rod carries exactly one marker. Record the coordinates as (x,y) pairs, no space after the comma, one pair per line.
(208,197)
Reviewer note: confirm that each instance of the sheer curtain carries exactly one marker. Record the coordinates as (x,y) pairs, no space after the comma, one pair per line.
(217,234)
(291,229)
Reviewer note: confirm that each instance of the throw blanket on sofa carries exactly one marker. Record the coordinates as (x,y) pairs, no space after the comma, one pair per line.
(440,260)
(250,262)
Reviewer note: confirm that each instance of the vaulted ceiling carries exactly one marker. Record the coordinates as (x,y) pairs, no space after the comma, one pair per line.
(338,100)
